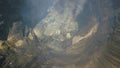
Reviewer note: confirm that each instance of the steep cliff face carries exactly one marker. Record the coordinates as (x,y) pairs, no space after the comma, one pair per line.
(59,34)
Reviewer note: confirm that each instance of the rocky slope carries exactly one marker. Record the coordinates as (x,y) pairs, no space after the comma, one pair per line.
(59,34)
